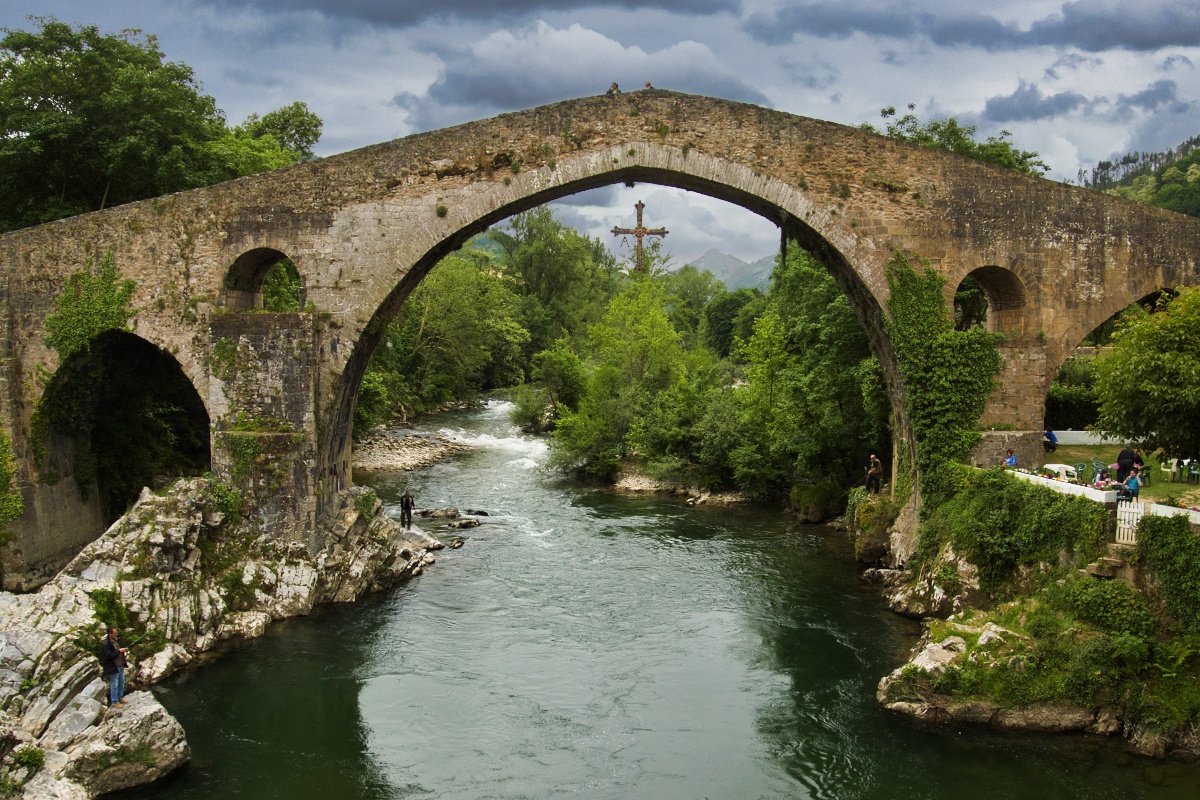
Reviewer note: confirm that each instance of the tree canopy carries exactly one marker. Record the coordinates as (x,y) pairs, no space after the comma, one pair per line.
(90,120)
(1148,383)
(949,135)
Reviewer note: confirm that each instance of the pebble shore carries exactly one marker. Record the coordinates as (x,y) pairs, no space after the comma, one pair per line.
(384,450)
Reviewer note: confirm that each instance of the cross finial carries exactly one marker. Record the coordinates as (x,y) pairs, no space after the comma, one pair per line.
(639,232)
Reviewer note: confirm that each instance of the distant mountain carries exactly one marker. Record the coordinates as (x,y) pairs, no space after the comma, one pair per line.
(735,273)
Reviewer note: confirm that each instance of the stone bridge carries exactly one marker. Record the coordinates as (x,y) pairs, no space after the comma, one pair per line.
(365,227)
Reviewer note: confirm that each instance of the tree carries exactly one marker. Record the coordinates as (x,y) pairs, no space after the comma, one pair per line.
(293,127)
(689,290)
(1148,384)
(949,135)
(565,279)
(639,355)
(89,120)
(719,323)
(459,333)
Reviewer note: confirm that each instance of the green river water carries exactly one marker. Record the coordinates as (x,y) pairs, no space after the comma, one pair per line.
(592,645)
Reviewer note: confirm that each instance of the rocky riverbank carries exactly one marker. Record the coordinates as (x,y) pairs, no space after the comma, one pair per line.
(952,654)
(185,573)
(633,481)
(383,450)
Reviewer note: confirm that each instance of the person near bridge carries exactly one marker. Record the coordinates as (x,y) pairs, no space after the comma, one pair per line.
(1125,460)
(406,509)
(113,660)
(874,474)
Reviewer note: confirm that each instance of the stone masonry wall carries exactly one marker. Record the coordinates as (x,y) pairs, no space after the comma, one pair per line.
(264,370)
(364,228)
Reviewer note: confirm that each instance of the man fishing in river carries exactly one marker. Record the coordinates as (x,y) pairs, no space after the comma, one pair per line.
(406,509)
(113,659)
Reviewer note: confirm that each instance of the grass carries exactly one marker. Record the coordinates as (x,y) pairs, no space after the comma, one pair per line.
(1160,487)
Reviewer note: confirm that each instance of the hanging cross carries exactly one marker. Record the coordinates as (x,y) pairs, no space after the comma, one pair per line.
(639,232)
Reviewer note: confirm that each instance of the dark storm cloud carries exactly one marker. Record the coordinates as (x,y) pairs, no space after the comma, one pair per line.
(835,20)
(510,70)
(1163,93)
(1029,103)
(1096,25)
(1091,25)
(402,13)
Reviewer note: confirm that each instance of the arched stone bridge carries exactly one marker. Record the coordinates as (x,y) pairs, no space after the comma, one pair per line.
(365,227)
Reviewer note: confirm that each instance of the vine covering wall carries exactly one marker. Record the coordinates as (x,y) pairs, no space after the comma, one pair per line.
(948,375)
(11,502)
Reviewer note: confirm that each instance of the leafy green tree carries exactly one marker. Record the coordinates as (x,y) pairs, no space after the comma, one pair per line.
(814,404)
(565,279)
(1148,383)
(639,355)
(949,135)
(563,375)
(459,333)
(281,287)
(689,291)
(294,128)
(1175,186)
(89,120)
(719,321)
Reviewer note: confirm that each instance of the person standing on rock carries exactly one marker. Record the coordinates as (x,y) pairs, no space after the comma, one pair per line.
(406,509)
(113,658)
(874,474)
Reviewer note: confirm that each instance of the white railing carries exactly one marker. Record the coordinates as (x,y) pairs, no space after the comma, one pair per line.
(1129,514)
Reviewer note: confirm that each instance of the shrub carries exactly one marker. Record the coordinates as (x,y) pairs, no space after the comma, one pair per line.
(999,522)
(529,408)
(30,757)
(1112,606)
(1172,552)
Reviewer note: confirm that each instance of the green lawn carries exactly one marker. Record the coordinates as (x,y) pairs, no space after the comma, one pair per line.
(1160,487)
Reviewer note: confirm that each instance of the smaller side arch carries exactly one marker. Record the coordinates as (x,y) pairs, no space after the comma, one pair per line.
(1006,298)
(242,289)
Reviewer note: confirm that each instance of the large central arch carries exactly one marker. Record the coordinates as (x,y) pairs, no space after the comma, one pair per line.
(788,208)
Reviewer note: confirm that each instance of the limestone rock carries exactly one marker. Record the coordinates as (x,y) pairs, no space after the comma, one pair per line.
(153,560)
(132,746)
(439,513)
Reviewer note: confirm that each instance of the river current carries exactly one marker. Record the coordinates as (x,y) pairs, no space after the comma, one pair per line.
(592,645)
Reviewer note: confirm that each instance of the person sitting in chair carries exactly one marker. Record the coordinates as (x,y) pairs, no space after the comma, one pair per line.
(1131,487)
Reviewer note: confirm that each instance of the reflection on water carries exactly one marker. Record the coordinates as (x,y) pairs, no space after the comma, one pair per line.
(601,646)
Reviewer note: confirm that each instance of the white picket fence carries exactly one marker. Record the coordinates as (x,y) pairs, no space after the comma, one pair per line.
(1129,514)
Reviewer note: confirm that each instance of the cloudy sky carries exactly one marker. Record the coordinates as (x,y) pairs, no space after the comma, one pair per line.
(1075,81)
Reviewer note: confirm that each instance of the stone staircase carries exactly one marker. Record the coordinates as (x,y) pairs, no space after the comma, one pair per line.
(1115,564)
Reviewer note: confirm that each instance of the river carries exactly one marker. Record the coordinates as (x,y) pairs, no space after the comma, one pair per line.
(586,644)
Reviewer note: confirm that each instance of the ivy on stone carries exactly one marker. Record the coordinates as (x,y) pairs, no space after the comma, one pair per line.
(12,504)
(92,302)
(948,375)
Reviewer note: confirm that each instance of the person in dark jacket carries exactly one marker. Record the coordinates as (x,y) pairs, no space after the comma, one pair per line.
(406,509)
(1124,464)
(113,659)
